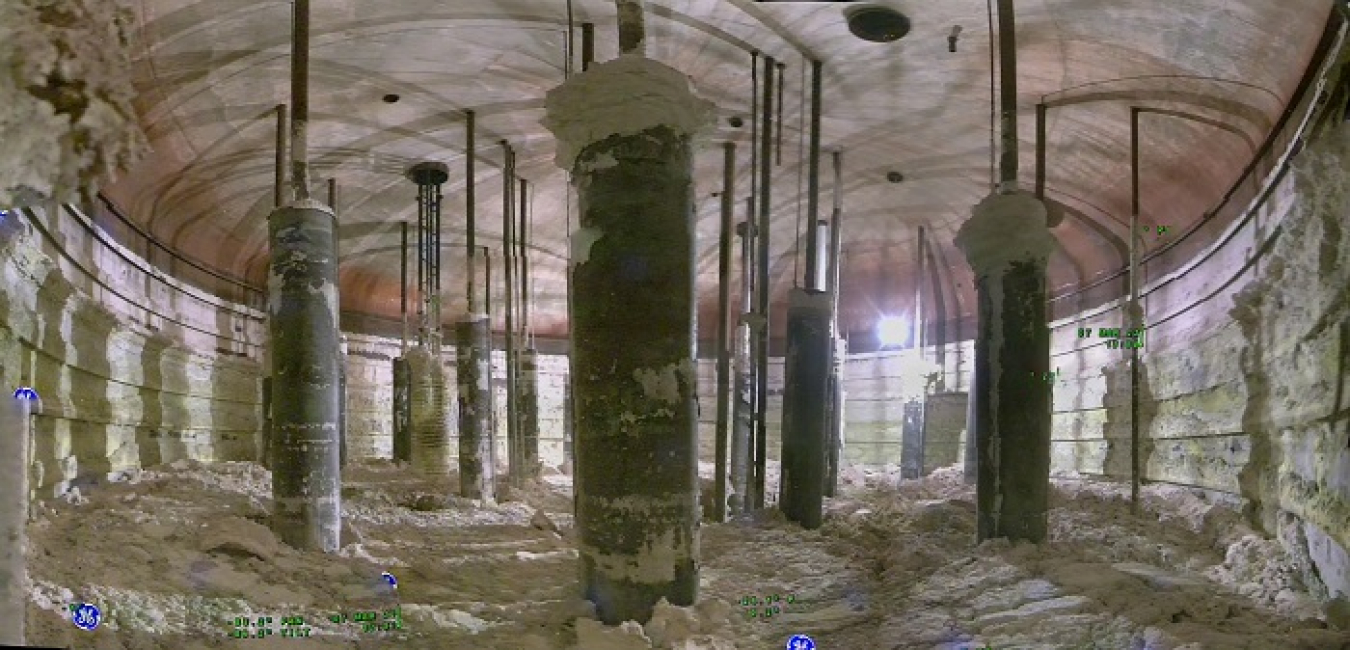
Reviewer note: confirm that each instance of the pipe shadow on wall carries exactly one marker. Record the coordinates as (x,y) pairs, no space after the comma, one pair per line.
(1257,478)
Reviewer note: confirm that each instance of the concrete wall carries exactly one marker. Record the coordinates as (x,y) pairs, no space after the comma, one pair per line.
(133,368)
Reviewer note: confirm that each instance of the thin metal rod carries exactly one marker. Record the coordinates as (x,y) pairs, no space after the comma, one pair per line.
(778,135)
(524,261)
(765,207)
(813,182)
(403,285)
(470,208)
(587,45)
(1040,151)
(993,104)
(421,265)
(1007,68)
(571,41)
(918,293)
(1133,315)
(300,100)
(836,234)
(723,319)
(754,128)
(279,191)
(512,431)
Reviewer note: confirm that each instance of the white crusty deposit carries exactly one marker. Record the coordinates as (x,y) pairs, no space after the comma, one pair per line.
(1005,228)
(625,96)
(67,120)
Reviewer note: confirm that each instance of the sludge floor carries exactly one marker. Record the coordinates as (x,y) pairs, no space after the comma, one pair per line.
(176,555)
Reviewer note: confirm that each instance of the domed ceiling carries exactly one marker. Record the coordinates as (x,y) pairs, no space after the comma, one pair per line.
(209,74)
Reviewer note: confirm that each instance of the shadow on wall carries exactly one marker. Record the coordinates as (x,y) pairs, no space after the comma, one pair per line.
(1256,481)
(1116,463)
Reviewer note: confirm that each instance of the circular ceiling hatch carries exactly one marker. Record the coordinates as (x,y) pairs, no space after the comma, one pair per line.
(877,24)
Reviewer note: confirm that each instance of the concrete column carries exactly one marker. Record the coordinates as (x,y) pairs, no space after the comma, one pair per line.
(633,325)
(805,437)
(402,430)
(477,475)
(1006,243)
(302,310)
(426,406)
(14,437)
(527,401)
(911,439)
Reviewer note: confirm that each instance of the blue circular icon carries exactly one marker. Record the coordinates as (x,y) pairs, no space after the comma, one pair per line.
(26,393)
(801,642)
(389,579)
(85,616)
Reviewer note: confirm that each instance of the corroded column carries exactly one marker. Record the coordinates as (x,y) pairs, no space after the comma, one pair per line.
(527,401)
(14,436)
(624,129)
(426,404)
(805,420)
(302,310)
(1006,243)
(473,371)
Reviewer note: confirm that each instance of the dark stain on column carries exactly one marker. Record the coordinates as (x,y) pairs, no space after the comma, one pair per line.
(476,473)
(302,311)
(805,438)
(633,381)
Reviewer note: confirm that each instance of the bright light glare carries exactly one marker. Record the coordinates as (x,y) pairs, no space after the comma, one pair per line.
(892,331)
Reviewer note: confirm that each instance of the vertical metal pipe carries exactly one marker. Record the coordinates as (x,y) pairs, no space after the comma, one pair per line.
(765,207)
(1007,67)
(778,130)
(1040,151)
(279,191)
(754,131)
(919,321)
(300,100)
(813,182)
(1133,315)
(403,285)
(421,267)
(587,45)
(723,315)
(523,262)
(512,442)
(836,231)
(632,27)
(470,205)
